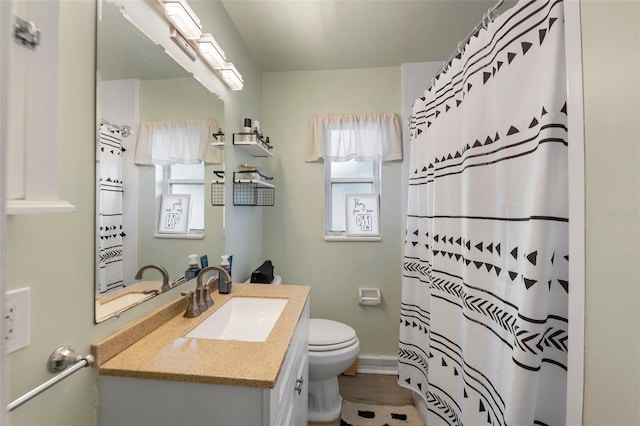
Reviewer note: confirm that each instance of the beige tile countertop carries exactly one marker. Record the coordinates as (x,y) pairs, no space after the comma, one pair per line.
(155,348)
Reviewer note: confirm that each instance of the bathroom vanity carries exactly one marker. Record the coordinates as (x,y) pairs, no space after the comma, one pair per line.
(162,377)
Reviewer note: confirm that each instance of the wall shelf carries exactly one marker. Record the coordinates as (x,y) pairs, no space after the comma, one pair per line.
(252,190)
(252,143)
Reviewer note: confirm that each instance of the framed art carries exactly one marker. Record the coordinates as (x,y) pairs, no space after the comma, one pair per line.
(363,219)
(174,214)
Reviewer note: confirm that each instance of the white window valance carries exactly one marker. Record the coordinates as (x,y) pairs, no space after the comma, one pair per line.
(360,137)
(177,142)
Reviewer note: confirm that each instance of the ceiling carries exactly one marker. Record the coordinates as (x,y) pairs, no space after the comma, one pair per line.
(296,35)
(124,52)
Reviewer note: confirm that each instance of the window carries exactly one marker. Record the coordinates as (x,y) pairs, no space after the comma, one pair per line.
(352,147)
(341,178)
(185,179)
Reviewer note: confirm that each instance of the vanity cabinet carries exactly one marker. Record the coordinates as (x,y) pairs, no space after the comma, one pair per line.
(138,401)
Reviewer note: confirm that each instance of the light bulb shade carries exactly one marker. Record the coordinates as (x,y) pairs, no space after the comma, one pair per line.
(211,51)
(232,77)
(183,18)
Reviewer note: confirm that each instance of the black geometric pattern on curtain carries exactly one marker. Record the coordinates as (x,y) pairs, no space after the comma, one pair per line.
(484,309)
(109,213)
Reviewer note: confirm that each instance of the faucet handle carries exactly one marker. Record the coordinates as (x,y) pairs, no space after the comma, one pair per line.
(200,299)
(207,296)
(192,308)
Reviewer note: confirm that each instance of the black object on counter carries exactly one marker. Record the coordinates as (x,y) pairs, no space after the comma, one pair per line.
(263,274)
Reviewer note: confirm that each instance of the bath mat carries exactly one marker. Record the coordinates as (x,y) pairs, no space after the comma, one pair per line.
(357,414)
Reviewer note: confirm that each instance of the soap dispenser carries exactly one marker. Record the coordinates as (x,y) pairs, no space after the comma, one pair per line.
(194,268)
(224,286)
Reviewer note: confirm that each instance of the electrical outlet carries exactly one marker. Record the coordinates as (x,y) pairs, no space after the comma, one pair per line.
(16,319)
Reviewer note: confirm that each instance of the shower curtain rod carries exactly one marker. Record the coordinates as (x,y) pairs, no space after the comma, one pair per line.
(486,19)
(125,129)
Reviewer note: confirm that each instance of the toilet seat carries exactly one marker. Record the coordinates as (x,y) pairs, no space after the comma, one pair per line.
(334,347)
(327,335)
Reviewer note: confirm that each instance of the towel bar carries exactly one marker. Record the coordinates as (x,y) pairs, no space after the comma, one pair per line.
(62,359)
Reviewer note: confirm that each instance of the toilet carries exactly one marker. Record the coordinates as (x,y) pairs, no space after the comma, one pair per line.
(333,347)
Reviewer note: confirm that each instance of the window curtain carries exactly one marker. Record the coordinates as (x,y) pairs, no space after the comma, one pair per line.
(177,142)
(360,137)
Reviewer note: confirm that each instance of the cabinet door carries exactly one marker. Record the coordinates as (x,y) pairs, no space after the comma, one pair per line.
(301,394)
(30,91)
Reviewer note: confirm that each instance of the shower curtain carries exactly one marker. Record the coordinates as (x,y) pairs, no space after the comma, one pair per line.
(483,326)
(109,211)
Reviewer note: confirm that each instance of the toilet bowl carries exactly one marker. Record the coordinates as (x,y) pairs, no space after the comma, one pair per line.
(333,346)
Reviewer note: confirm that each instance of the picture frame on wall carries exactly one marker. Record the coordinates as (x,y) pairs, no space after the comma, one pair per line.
(174,214)
(362,215)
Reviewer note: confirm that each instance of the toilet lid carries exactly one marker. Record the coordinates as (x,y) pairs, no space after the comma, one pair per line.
(326,335)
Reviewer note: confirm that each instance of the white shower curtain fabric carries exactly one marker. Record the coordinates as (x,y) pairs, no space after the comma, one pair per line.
(484,306)
(177,142)
(359,137)
(109,212)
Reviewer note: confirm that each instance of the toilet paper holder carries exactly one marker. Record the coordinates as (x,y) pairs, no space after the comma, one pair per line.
(369,296)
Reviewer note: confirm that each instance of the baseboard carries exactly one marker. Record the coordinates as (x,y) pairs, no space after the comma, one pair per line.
(378,364)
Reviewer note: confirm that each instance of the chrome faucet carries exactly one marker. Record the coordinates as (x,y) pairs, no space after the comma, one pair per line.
(203,290)
(192,306)
(165,275)
(225,275)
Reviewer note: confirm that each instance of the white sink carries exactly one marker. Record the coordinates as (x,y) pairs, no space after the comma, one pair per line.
(248,319)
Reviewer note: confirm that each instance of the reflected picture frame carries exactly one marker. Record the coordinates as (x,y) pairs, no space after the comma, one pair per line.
(174,214)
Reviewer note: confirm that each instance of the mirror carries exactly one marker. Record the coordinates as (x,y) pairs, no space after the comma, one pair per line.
(137,81)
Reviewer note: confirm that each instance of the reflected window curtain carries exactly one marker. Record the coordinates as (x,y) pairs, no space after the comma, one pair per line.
(110,190)
(177,142)
(360,137)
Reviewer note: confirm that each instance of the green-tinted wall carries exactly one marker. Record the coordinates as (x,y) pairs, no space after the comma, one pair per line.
(294,228)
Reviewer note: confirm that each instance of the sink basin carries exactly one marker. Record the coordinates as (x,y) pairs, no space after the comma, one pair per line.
(248,319)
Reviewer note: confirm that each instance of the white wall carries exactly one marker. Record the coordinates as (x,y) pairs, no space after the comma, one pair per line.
(294,227)
(611,70)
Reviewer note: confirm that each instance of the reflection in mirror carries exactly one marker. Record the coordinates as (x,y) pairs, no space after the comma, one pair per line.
(139,86)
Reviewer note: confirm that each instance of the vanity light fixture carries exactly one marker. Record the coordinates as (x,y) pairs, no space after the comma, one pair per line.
(183,18)
(211,51)
(182,43)
(232,77)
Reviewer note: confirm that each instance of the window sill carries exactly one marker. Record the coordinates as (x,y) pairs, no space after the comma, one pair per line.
(344,238)
(180,236)
(15,207)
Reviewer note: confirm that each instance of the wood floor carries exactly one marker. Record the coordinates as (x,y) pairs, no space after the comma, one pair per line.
(371,389)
